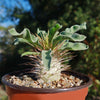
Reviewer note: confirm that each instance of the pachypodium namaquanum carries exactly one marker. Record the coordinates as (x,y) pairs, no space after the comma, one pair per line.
(52,48)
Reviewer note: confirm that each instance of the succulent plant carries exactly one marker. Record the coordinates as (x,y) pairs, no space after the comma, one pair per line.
(52,48)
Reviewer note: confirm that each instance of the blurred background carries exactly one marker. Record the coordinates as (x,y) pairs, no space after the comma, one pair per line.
(43,14)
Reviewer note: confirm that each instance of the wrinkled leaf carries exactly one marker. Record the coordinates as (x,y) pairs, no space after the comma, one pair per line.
(21,40)
(73,37)
(46,58)
(75,28)
(13,32)
(25,34)
(78,37)
(30,53)
(74,46)
(69,33)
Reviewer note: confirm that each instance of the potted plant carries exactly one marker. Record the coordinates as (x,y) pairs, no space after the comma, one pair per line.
(50,79)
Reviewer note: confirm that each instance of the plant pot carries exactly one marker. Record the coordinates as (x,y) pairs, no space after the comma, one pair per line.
(16,92)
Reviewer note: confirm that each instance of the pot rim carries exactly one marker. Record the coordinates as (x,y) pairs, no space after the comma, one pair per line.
(47,90)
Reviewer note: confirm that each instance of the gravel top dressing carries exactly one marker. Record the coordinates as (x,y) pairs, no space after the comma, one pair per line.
(66,81)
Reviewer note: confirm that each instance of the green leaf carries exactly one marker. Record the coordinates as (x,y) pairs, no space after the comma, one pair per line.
(30,53)
(73,37)
(13,32)
(21,40)
(74,46)
(75,28)
(69,33)
(46,58)
(24,37)
(41,33)
(53,30)
(78,37)
(25,34)
(34,39)
(57,40)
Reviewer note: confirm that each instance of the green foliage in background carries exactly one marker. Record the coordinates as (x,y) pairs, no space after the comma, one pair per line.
(45,13)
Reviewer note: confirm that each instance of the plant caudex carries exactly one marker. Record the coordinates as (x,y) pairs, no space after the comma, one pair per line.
(52,48)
